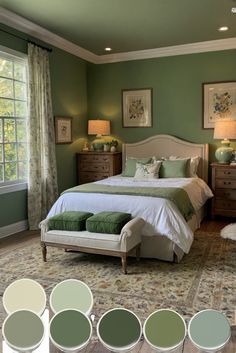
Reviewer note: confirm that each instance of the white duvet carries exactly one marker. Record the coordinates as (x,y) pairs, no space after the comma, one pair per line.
(162,216)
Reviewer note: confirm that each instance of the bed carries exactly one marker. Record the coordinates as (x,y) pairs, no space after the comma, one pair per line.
(166,234)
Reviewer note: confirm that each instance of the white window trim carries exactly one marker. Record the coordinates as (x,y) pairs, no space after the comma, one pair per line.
(13,187)
(12,53)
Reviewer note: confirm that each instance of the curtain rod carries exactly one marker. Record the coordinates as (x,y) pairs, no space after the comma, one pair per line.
(26,40)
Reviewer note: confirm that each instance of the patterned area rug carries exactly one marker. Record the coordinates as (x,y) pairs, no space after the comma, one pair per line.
(206,277)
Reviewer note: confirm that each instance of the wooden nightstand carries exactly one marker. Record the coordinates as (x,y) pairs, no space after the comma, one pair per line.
(224,190)
(93,166)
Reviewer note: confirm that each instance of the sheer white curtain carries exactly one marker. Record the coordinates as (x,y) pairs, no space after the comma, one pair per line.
(42,189)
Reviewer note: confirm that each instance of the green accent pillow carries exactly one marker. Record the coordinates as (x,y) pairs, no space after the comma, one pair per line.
(107,222)
(175,168)
(71,220)
(130,166)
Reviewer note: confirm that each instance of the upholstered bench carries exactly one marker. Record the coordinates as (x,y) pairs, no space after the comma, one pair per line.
(120,245)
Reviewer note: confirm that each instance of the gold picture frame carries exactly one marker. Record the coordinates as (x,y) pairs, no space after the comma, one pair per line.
(63,130)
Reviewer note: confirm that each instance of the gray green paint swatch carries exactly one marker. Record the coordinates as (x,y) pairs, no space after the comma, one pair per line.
(70,329)
(209,329)
(119,328)
(71,294)
(23,329)
(164,329)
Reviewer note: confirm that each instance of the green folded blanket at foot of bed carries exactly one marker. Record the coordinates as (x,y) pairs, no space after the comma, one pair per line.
(107,222)
(71,221)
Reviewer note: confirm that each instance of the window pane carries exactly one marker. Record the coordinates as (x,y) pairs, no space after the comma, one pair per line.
(22,151)
(19,72)
(10,171)
(9,130)
(1,150)
(23,170)
(10,152)
(20,90)
(0,130)
(6,88)
(21,109)
(1,172)
(21,130)
(6,107)
(6,68)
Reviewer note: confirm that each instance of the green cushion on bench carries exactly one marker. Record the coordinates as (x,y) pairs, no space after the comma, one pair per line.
(71,220)
(107,222)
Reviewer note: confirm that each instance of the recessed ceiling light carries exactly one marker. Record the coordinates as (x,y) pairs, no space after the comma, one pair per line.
(223,29)
(108,49)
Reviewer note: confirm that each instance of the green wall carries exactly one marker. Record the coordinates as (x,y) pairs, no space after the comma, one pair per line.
(177,93)
(69,95)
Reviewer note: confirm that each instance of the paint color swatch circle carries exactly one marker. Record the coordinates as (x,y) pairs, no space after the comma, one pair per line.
(119,329)
(26,294)
(70,330)
(164,329)
(209,330)
(71,294)
(23,330)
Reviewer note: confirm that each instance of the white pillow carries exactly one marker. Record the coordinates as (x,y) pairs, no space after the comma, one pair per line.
(194,161)
(147,171)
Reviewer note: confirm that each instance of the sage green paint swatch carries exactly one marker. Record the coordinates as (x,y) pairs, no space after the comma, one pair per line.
(209,329)
(71,294)
(23,330)
(26,294)
(119,328)
(70,329)
(164,329)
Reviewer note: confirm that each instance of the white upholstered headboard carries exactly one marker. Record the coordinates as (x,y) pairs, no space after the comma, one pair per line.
(166,146)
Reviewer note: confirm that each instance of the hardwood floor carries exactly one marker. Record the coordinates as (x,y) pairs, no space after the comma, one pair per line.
(12,242)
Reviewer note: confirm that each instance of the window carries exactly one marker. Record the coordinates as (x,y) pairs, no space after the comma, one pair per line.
(13,115)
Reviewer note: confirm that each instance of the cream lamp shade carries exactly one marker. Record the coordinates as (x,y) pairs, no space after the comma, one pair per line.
(224,130)
(99,127)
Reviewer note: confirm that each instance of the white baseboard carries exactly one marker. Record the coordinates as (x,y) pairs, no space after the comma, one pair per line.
(13,228)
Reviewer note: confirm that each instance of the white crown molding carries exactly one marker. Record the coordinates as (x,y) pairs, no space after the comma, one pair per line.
(200,47)
(22,24)
(13,228)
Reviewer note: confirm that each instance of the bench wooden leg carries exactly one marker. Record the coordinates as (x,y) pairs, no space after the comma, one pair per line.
(138,252)
(124,263)
(44,252)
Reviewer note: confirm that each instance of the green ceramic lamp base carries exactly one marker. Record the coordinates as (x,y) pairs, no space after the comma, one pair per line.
(224,153)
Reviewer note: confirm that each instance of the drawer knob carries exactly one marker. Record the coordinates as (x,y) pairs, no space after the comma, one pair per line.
(227,172)
(227,182)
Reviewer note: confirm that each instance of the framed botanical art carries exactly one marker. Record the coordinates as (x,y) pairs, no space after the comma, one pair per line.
(63,129)
(137,107)
(219,102)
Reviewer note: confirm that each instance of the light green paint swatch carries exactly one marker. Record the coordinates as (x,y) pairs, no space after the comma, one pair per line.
(209,329)
(119,328)
(164,329)
(70,329)
(71,294)
(23,330)
(24,294)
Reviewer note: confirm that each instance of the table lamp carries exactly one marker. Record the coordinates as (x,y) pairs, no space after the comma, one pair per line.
(98,128)
(224,130)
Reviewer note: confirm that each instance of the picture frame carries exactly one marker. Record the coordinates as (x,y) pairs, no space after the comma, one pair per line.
(63,130)
(137,107)
(218,102)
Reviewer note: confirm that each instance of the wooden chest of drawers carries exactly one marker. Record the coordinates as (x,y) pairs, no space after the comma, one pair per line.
(224,190)
(93,166)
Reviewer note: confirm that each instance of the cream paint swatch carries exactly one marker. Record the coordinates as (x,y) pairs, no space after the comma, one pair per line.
(24,294)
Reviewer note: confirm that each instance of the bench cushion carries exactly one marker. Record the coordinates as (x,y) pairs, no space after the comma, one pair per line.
(107,222)
(71,221)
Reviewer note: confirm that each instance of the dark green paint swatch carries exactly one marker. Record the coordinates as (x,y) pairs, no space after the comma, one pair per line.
(164,329)
(209,329)
(23,329)
(70,328)
(119,328)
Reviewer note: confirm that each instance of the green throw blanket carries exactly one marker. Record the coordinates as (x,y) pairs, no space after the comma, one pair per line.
(176,195)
